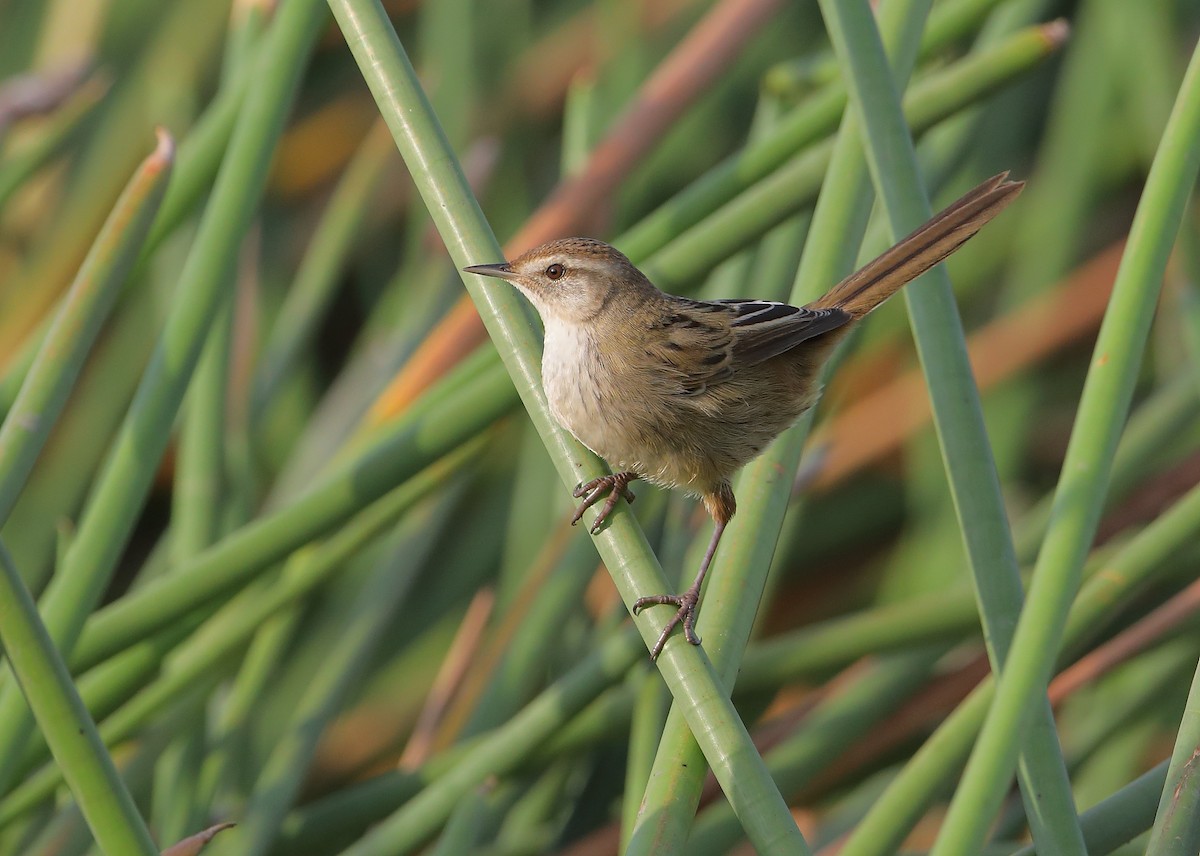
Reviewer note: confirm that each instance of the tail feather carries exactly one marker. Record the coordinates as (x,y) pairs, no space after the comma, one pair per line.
(945,232)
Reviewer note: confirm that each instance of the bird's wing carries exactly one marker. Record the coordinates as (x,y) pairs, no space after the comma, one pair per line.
(691,346)
(763,329)
(708,340)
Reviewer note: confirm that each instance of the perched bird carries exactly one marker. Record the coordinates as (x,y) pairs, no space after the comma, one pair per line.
(683,392)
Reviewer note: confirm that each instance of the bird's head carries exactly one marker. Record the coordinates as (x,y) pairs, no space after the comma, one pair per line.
(571,280)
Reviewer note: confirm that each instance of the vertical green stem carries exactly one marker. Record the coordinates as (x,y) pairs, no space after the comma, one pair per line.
(740,570)
(958,416)
(1082,486)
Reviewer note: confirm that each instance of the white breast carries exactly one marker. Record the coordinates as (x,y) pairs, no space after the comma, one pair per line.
(572,374)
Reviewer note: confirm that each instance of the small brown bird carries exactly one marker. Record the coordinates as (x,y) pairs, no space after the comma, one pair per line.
(683,392)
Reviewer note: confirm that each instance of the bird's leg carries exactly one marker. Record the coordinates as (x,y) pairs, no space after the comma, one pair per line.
(617,486)
(687,602)
(721,505)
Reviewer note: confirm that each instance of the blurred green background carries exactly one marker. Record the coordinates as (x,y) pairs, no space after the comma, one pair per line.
(308,560)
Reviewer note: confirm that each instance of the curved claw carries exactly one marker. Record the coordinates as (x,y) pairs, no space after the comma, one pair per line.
(685,615)
(616,485)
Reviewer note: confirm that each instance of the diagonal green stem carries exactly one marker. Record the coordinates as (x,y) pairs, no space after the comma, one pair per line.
(691,678)
(78,322)
(65,722)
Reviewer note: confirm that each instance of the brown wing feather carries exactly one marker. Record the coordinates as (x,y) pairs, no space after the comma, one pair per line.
(697,348)
(708,340)
(765,329)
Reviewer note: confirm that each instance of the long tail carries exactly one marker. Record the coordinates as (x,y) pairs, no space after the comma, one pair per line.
(945,232)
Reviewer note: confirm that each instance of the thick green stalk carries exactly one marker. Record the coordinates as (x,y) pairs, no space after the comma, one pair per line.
(647,720)
(811,651)
(1080,495)
(957,414)
(200,486)
(208,437)
(196,501)
(690,677)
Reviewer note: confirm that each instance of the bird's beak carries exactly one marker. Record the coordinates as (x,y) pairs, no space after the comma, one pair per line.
(501,271)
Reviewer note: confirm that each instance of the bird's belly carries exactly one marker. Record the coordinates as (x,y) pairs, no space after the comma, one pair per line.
(631,435)
(672,441)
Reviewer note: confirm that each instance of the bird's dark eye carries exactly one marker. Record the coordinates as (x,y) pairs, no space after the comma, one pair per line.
(555,271)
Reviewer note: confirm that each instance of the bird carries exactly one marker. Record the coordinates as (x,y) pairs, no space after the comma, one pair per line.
(682,393)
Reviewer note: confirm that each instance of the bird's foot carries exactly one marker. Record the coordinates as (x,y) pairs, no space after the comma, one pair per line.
(685,615)
(617,486)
